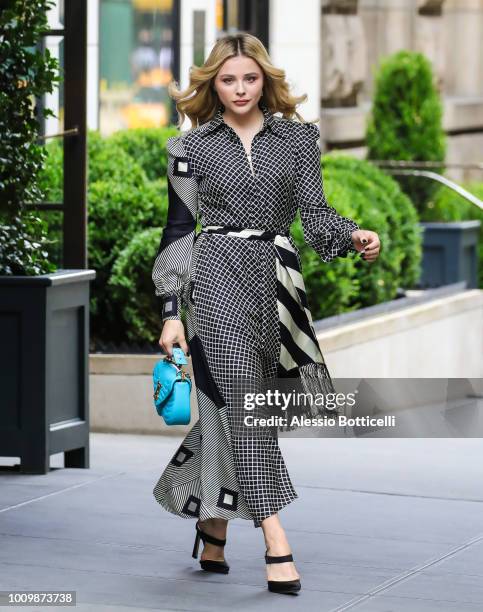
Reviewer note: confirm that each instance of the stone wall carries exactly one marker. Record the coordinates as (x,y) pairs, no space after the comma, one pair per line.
(357,34)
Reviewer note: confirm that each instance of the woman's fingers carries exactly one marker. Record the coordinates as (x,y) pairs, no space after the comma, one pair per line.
(173,333)
(364,240)
(164,346)
(370,254)
(373,251)
(370,244)
(166,340)
(183,344)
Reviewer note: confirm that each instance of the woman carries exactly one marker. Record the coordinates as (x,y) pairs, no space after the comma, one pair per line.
(245,172)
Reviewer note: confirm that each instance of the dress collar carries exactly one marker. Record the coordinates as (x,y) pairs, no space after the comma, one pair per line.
(269,121)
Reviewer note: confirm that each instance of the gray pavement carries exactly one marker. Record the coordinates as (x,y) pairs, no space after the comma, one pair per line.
(381,525)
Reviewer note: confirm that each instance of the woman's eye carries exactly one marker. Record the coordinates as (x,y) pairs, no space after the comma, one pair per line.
(252,78)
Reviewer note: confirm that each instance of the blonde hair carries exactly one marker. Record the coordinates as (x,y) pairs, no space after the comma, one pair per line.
(200,102)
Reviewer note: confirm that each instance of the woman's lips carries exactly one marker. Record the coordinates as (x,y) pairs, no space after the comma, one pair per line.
(241,102)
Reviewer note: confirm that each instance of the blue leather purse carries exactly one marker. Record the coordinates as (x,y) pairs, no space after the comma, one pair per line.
(172,389)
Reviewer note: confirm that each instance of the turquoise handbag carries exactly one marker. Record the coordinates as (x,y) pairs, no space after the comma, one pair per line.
(172,389)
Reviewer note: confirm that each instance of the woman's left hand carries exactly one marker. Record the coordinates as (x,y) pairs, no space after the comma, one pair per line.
(367,243)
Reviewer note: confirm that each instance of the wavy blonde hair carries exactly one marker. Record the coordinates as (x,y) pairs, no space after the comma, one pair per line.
(200,102)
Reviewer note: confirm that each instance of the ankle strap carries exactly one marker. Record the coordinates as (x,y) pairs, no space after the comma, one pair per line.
(281,559)
(209,538)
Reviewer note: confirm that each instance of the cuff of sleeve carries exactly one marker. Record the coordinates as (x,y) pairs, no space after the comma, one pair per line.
(170,308)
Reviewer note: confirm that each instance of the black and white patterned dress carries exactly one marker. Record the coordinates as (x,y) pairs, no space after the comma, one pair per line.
(246,310)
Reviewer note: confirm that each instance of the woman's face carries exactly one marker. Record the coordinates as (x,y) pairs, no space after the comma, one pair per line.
(239,78)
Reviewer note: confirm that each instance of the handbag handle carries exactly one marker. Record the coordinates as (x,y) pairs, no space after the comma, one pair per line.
(178,357)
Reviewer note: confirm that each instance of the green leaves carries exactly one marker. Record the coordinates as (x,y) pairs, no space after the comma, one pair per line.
(406,119)
(145,146)
(25,72)
(131,286)
(23,245)
(122,201)
(362,192)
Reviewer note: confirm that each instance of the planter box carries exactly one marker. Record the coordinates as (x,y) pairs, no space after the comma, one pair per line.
(450,253)
(44,327)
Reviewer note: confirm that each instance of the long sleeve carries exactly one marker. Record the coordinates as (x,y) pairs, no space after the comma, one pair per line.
(171,267)
(327,232)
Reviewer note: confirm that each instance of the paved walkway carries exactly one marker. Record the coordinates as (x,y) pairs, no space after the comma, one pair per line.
(380,525)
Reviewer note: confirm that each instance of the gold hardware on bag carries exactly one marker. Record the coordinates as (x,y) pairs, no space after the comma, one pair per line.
(156,393)
(184,376)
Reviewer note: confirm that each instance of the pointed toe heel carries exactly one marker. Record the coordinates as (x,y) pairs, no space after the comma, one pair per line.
(288,587)
(220,567)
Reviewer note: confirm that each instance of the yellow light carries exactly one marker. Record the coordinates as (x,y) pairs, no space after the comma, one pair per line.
(153,5)
(219,14)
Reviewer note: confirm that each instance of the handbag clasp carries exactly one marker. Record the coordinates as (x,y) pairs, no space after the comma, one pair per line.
(156,393)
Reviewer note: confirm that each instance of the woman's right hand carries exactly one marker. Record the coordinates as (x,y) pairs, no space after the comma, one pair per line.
(173,332)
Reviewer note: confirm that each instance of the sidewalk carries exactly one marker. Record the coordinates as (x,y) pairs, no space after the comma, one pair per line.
(380,525)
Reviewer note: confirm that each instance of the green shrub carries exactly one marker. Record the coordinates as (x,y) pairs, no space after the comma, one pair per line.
(121,202)
(24,245)
(404,242)
(132,287)
(406,120)
(109,161)
(447,205)
(51,176)
(147,146)
(362,192)
(117,211)
(106,160)
(50,182)
(26,74)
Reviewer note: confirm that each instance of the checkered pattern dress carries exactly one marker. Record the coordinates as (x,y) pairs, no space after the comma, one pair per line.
(246,311)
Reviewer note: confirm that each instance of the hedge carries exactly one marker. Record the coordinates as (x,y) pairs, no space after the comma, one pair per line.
(121,202)
(147,147)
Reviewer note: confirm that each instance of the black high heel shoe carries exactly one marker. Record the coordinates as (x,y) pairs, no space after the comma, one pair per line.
(282,586)
(221,567)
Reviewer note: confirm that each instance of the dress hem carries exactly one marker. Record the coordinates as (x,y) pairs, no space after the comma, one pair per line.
(216,514)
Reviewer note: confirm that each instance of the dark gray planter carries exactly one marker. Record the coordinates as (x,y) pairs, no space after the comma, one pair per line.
(450,253)
(44,368)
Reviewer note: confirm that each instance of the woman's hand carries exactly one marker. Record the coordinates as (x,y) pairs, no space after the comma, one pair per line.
(173,332)
(367,243)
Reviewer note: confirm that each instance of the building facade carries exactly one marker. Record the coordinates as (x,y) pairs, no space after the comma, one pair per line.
(328,48)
